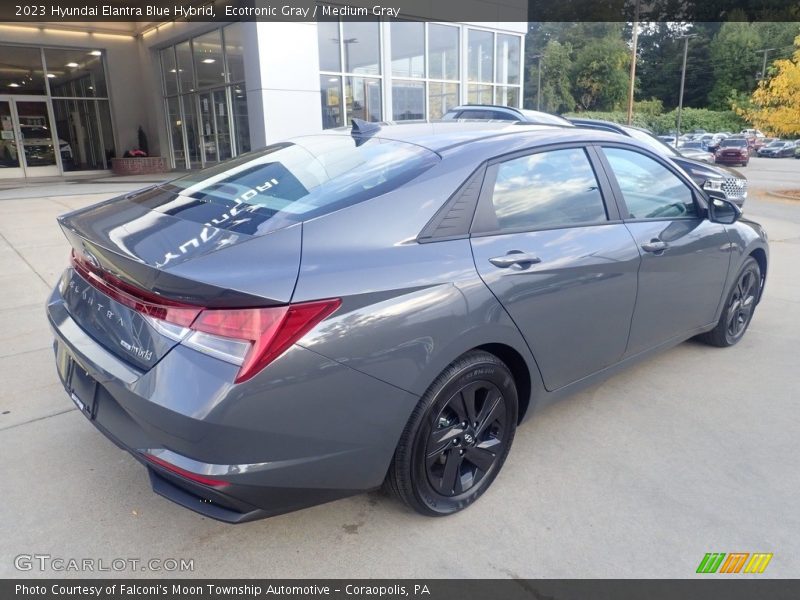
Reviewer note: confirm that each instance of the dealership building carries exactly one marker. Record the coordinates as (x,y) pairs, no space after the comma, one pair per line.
(74,95)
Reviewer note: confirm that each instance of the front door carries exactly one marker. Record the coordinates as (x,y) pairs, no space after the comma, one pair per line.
(215,128)
(685,257)
(29,146)
(559,260)
(10,160)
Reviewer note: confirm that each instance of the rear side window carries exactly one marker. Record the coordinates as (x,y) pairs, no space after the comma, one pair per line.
(650,190)
(496,115)
(547,190)
(297,180)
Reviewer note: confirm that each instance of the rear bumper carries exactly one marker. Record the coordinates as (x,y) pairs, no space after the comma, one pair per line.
(306,430)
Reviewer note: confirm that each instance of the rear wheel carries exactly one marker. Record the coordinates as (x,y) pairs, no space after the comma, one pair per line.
(457,438)
(739,307)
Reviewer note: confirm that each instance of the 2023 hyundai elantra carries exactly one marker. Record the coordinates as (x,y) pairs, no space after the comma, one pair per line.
(384,305)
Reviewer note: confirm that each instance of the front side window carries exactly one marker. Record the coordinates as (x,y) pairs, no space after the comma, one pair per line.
(547,190)
(650,190)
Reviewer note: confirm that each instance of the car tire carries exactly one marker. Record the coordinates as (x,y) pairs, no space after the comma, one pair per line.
(457,438)
(737,314)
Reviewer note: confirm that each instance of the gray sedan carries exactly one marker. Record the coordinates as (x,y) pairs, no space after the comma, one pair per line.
(384,305)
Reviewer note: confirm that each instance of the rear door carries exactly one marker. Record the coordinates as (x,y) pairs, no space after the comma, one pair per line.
(550,245)
(685,256)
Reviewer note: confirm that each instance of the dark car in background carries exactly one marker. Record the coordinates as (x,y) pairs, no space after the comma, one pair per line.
(777,149)
(733,151)
(384,305)
(711,177)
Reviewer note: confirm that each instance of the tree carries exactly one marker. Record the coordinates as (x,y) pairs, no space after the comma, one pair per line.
(735,61)
(556,88)
(775,104)
(600,74)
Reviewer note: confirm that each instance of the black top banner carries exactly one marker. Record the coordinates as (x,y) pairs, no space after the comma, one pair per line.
(438,10)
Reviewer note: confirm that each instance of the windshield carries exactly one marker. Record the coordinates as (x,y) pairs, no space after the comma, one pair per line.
(300,179)
(776,145)
(692,145)
(728,143)
(654,143)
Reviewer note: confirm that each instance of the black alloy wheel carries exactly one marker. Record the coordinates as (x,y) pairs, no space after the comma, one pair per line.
(457,438)
(740,304)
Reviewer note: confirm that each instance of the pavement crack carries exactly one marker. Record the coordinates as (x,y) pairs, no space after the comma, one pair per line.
(42,418)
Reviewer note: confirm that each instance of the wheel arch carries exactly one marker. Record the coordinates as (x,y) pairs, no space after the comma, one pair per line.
(761,258)
(520,371)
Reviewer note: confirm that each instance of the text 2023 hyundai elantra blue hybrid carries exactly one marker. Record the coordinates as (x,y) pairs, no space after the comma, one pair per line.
(384,305)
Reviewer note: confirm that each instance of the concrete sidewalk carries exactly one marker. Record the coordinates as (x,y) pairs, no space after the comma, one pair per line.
(694,451)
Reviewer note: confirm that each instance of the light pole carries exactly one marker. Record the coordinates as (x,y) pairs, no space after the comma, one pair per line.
(685,39)
(765,51)
(633,61)
(538,57)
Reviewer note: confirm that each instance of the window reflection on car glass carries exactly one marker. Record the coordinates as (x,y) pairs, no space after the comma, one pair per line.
(650,190)
(547,189)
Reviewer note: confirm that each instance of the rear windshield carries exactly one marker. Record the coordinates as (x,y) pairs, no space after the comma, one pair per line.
(300,179)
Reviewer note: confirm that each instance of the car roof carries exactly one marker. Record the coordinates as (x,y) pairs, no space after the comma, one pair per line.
(442,136)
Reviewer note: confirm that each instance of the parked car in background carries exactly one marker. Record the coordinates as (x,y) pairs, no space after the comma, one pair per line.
(668,139)
(707,175)
(696,150)
(372,331)
(797,151)
(484,112)
(777,149)
(733,151)
(713,143)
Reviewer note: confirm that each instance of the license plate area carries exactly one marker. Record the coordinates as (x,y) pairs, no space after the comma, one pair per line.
(80,385)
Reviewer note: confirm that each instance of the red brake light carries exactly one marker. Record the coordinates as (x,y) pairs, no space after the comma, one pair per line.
(133,297)
(184,473)
(270,330)
(258,335)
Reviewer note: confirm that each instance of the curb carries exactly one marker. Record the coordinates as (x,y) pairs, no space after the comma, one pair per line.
(783,196)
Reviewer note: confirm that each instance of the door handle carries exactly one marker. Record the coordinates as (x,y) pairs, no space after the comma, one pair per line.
(515,257)
(655,246)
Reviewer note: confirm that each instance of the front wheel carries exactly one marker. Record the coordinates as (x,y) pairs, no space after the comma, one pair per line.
(457,438)
(739,307)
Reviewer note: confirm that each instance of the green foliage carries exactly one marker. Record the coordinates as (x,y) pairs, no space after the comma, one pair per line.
(600,76)
(691,119)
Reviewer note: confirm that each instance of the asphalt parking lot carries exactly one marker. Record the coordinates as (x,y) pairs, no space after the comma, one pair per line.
(696,450)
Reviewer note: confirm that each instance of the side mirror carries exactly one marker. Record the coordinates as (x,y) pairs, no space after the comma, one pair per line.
(722,210)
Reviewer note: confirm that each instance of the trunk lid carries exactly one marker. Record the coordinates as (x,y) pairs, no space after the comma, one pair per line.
(159,247)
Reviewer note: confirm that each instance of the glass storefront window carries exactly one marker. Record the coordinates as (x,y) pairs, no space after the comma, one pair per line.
(76,73)
(170,70)
(208,59)
(408,100)
(240,121)
(361,41)
(508,96)
(330,87)
(234,51)
(480,56)
(328,43)
(441,98)
(363,98)
(479,94)
(84,133)
(21,71)
(185,70)
(408,49)
(507,59)
(176,129)
(443,52)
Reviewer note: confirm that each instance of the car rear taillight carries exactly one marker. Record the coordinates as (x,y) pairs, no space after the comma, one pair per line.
(249,337)
(196,477)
